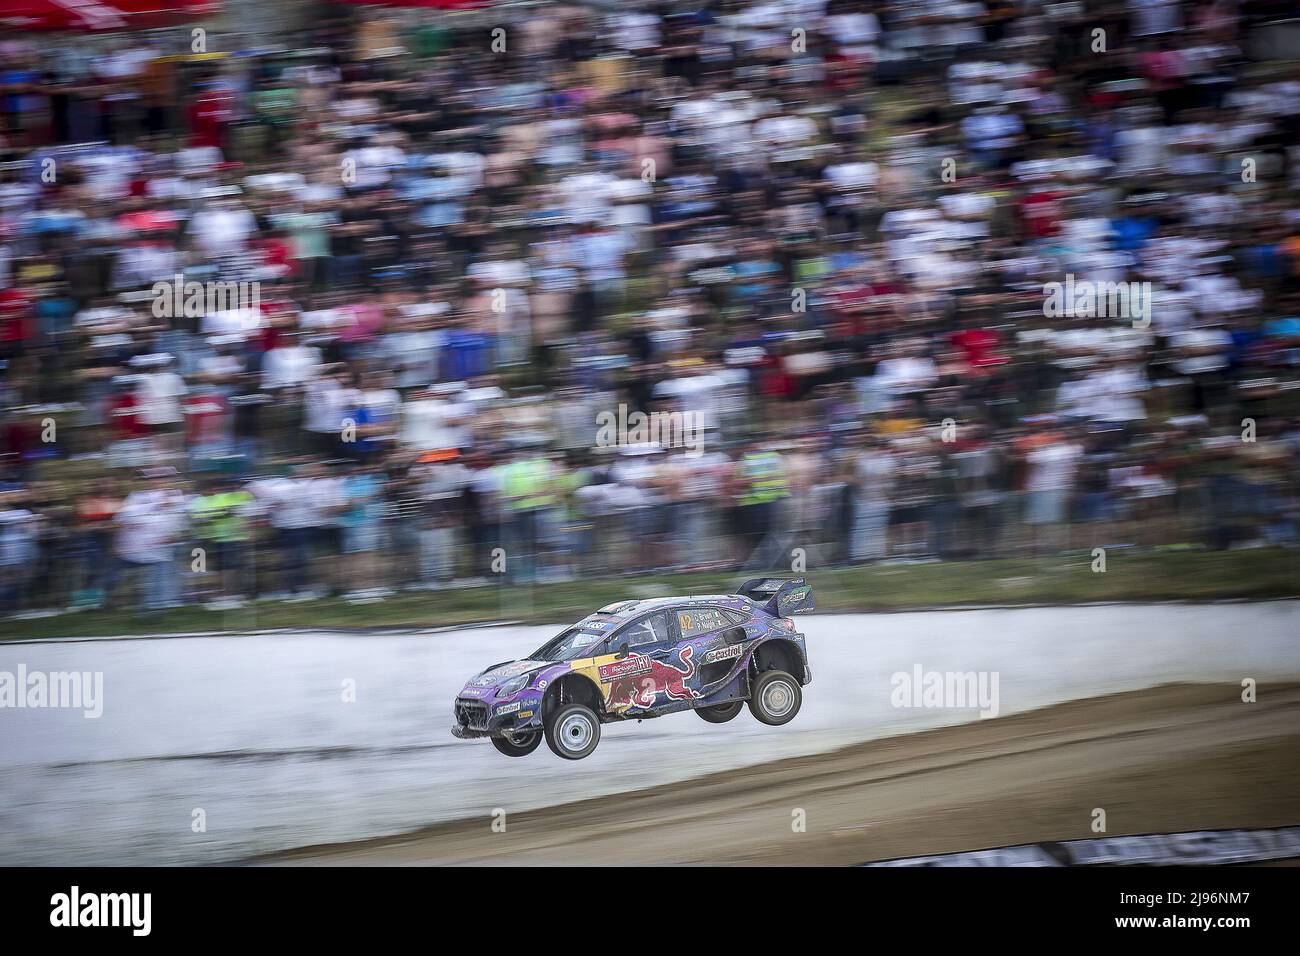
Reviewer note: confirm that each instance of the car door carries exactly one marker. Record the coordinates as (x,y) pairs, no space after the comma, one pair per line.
(650,674)
(716,640)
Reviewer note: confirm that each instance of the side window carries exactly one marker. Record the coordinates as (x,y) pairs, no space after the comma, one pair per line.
(700,620)
(735,617)
(649,630)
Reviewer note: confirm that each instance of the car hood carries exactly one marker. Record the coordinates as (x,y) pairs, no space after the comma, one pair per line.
(485,684)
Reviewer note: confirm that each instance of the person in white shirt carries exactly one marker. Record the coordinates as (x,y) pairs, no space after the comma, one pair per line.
(1109,394)
(328,402)
(158,393)
(874,471)
(299,508)
(19,533)
(291,365)
(150,522)
(907,372)
(435,420)
(442,483)
(222,228)
(1052,467)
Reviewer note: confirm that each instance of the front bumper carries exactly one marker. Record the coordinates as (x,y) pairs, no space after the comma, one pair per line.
(477,718)
(467,733)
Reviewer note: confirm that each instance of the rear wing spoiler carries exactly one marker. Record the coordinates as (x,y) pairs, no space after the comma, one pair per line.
(779,596)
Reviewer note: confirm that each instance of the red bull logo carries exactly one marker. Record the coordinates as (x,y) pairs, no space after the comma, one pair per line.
(638,680)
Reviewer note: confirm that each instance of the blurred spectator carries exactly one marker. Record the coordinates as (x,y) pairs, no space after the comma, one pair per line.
(358,316)
(150,523)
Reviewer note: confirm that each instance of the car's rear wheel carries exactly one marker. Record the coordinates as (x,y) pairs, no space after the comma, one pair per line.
(720,713)
(572,731)
(518,745)
(776,698)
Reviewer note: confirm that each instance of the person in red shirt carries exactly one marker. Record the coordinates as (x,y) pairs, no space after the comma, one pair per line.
(276,252)
(17,324)
(20,436)
(1040,213)
(210,113)
(123,412)
(979,347)
(207,426)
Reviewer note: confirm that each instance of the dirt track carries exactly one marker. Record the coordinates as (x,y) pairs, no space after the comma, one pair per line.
(1179,757)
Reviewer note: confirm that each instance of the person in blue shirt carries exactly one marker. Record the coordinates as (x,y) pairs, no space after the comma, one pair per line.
(361,522)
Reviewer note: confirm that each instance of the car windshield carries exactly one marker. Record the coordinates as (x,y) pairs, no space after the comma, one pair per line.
(570,645)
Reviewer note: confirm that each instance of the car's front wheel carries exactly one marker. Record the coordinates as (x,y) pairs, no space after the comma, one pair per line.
(776,698)
(573,731)
(720,713)
(518,745)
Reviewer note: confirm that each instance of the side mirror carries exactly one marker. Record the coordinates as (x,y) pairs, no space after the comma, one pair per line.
(622,649)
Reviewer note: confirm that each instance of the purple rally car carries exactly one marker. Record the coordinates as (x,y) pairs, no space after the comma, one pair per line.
(639,659)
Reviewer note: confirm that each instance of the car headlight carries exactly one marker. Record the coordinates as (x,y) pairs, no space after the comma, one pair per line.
(514,686)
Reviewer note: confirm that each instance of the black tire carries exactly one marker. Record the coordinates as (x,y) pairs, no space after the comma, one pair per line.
(512,748)
(720,713)
(572,731)
(776,698)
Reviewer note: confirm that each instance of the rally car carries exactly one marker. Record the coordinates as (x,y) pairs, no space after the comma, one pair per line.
(638,659)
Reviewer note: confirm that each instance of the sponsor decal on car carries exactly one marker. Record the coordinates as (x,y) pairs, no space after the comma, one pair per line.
(726,653)
(640,687)
(626,668)
(509,708)
(700,621)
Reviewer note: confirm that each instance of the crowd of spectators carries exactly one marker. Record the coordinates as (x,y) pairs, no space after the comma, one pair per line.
(339,314)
